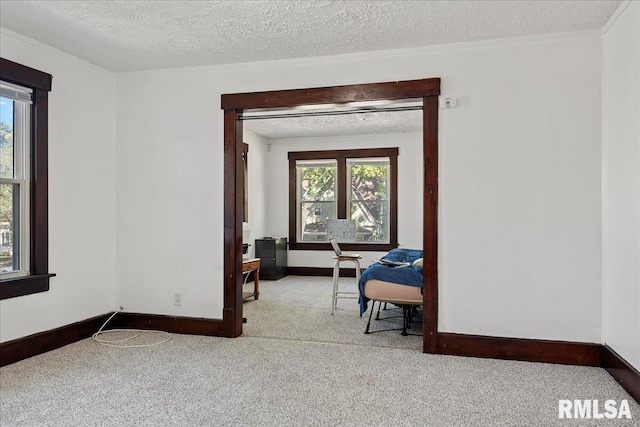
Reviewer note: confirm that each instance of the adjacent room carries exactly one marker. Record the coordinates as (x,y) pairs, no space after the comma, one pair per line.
(297,306)
(143,186)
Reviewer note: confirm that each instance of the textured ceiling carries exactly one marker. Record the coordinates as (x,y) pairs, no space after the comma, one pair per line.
(144,35)
(123,36)
(351,124)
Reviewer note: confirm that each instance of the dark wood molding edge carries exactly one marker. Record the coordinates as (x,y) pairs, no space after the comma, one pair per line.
(334,94)
(529,350)
(626,375)
(25,76)
(32,345)
(172,324)
(21,286)
(320,271)
(236,103)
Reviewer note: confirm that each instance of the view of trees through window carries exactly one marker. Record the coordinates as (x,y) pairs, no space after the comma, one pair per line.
(368,201)
(367,198)
(7,190)
(317,183)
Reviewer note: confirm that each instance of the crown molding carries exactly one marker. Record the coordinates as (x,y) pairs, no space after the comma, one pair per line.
(24,39)
(619,11)
(348,57)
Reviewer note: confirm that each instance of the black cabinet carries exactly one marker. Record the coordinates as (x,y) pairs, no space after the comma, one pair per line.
(273,258)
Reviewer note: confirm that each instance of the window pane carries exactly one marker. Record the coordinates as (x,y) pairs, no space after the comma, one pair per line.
(317,181)
(6,138)
(369,179)
(372,220)
(314,217)
(9,222)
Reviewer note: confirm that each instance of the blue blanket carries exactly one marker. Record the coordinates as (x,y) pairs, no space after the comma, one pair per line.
(410,276)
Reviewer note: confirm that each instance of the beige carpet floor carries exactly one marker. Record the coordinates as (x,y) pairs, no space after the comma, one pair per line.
(319,370)
(299,308)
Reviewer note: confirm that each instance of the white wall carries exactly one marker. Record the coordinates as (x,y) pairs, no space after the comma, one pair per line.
(81,193)
(621,148)
(520,158)
(409,189)
(259,194)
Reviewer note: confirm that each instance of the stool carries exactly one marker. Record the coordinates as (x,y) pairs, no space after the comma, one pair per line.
(336,275)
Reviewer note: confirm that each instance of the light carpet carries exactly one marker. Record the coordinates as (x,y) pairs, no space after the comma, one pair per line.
(299,308)
(271,381)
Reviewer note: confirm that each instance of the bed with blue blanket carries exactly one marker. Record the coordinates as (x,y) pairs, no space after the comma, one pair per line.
(392,281)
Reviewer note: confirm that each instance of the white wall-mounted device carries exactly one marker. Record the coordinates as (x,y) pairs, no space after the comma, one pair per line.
(448,102)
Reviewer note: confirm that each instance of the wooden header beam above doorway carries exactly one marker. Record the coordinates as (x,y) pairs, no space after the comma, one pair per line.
(332,95)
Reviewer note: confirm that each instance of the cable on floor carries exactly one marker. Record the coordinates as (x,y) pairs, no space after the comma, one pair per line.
(121,342)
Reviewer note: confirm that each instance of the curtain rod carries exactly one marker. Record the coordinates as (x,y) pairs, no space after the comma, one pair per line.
(330,113)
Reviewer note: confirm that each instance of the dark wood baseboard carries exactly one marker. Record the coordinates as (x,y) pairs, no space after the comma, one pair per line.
(172,324)
(626,375)
(319,271)
(529,350)
(32,345)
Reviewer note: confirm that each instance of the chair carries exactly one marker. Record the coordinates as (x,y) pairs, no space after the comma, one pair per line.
(342,230)
(336,276)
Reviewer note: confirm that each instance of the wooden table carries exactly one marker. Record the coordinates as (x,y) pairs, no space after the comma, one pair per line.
(249,265)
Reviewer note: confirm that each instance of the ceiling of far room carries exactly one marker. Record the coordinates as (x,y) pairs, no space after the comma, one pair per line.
(123,36)
(374,123)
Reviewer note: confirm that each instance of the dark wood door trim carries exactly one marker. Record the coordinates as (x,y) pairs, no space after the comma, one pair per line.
(234,105)
(406,89)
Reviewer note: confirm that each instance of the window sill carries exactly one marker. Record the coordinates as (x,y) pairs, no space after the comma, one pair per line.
(325,246)
(20,286)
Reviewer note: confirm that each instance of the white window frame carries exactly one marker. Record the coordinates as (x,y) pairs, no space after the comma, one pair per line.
(22,178)
(387,200)
(300,203)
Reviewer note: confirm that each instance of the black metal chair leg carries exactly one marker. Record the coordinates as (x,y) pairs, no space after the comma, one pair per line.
(405,315)
(366,331)
(378,314)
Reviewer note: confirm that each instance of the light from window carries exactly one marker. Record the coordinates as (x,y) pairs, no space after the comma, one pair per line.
(368,198)
(14,180)
(316,183)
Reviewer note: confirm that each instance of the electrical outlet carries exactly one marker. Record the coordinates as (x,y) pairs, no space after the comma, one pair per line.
(177,298)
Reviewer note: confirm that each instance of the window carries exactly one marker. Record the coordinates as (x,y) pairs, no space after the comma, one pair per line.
(358,185)
(23,180)
(317,198)
(15,119)
(368,198)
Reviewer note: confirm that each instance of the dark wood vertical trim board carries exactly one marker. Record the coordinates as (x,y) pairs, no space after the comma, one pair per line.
(234,104)
(245,165)
(341,187)
(393,195)
(529,350)
(32,345)
(293,207)
(622,371)
(40,187)
(430,223)
(233,201)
